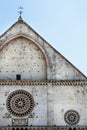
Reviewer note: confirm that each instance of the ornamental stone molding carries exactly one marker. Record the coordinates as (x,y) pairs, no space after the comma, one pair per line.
(44,82)
(45,128)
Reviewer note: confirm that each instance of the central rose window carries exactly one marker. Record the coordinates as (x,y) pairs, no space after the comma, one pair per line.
(20,103)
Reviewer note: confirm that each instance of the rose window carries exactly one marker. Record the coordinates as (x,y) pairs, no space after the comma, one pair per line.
(20,103)
(71,117)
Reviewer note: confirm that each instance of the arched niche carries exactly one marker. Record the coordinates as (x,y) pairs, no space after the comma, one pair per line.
(21,55)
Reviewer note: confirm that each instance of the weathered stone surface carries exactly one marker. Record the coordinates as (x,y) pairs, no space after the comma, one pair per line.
(51,103)
(15,44)
(28,63)
(22,57)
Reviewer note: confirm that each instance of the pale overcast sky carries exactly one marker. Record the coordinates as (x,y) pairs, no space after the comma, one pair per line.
(63,23)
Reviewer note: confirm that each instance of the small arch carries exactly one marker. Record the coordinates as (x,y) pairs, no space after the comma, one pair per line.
(26,128)
(17,128)
(74,128)
(70,128)
(22,129)
(13,128)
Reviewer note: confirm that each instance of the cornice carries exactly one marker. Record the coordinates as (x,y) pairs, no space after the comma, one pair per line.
(70,83)
(45,128)
(45,82)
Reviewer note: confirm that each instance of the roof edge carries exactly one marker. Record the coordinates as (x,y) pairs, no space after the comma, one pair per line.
(22,21)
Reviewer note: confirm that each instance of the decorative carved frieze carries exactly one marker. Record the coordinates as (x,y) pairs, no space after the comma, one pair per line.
(45,82)
(45,128)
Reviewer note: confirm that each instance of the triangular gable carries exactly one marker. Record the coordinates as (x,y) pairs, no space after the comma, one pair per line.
(58,68)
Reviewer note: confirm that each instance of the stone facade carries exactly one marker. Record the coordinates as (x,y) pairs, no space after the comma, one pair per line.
(39,88)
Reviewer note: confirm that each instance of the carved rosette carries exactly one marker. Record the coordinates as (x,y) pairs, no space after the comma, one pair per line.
(72,117)
(20,103)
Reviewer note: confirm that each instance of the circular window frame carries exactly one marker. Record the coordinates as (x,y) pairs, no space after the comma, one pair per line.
(20,103)
(70,121)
